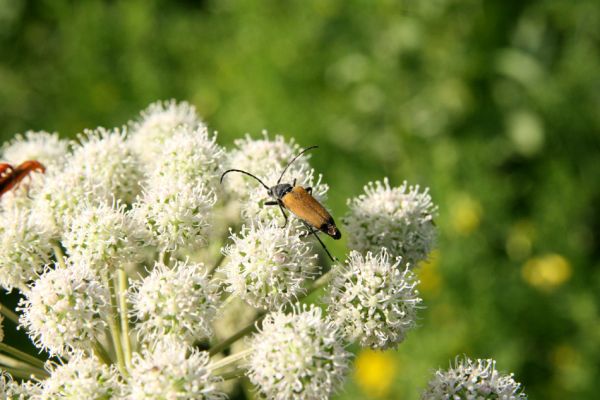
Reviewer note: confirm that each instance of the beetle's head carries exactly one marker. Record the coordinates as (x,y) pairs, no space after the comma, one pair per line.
(280,190)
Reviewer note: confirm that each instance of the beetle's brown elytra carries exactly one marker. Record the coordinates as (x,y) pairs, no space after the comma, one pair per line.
(300,202)
(11,177)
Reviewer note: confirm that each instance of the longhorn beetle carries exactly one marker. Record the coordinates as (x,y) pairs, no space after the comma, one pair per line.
(10,177)
(300,202)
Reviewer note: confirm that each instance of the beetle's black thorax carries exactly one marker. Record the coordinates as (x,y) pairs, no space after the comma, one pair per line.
(278,191)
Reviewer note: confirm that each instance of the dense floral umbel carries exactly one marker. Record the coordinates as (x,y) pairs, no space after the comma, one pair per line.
(268,265)
(172,370)
(63,309)
(156,124)
(41,146)
(104,236)
(24,247)
(473,380)
(298,356)
(373,299)
(398,218)
(180,300)
(81,377)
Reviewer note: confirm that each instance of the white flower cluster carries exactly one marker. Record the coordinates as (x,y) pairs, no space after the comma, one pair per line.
(179,301)
(298,356)
(374,300)
(127,269)
(473,379)
(399,219)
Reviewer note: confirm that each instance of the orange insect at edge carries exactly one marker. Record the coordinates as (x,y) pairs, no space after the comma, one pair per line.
(11,177)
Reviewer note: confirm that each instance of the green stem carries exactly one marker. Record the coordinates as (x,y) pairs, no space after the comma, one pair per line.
(29,359)
(9,314)
(124,315)
(251,327)
(26,373)
(229,360)
(101,353)
(113,324)
(217,264)
(322,281)
(233,374)
(59,254)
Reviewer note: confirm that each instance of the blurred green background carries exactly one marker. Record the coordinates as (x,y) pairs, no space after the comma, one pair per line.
(494,105)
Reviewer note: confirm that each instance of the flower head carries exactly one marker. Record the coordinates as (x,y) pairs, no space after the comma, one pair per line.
(298,356)
(24,248)
(156,124)
(400,219)
(176,213)
(106,166)
(178,301)
(41,146)
(103,237)
(63,309)
(374,300)
(470,379)
(81,378)
(268,265)
(171,370)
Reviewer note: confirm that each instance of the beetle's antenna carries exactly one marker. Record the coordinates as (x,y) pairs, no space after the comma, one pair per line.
(243,172)
(294,159)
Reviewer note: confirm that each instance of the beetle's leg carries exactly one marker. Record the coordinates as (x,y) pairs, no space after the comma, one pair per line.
(284,215)
(271,203)
(314,232)
(294,183)
(309,190)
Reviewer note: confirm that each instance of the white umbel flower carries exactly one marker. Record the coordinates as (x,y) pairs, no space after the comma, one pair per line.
(473,380)
(157,124)
(63,309)
(24,248)
(178,301)
(106,165)
(81,378)
(399,218)
(176,214)
(297,356)
(172,370)
(13,390)
(44,147)
(104,237)
(268,265)
(190,154)
(373,299)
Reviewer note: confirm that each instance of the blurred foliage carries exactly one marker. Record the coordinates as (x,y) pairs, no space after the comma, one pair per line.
(494,105)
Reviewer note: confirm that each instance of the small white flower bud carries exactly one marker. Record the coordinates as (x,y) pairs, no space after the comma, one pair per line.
(470,379)
(172,370)
(24,248)
(81,378)
(41,146)
(373,300)
(104,237)
(268,265)
(297,356)
(399,219)
(63,309)
(178,301)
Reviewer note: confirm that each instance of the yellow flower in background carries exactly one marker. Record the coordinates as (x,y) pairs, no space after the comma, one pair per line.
(374,372)
(428,274)
(546,272)
(465,214)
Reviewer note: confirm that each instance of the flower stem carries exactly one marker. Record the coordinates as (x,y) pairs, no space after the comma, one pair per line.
(101,353)
(59,254)
(251,327)
(217,264)
(319,283)
(29,359)
(230,360)
(124,315)
(233,374)
(113,324)
(9,314)
(26,373)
